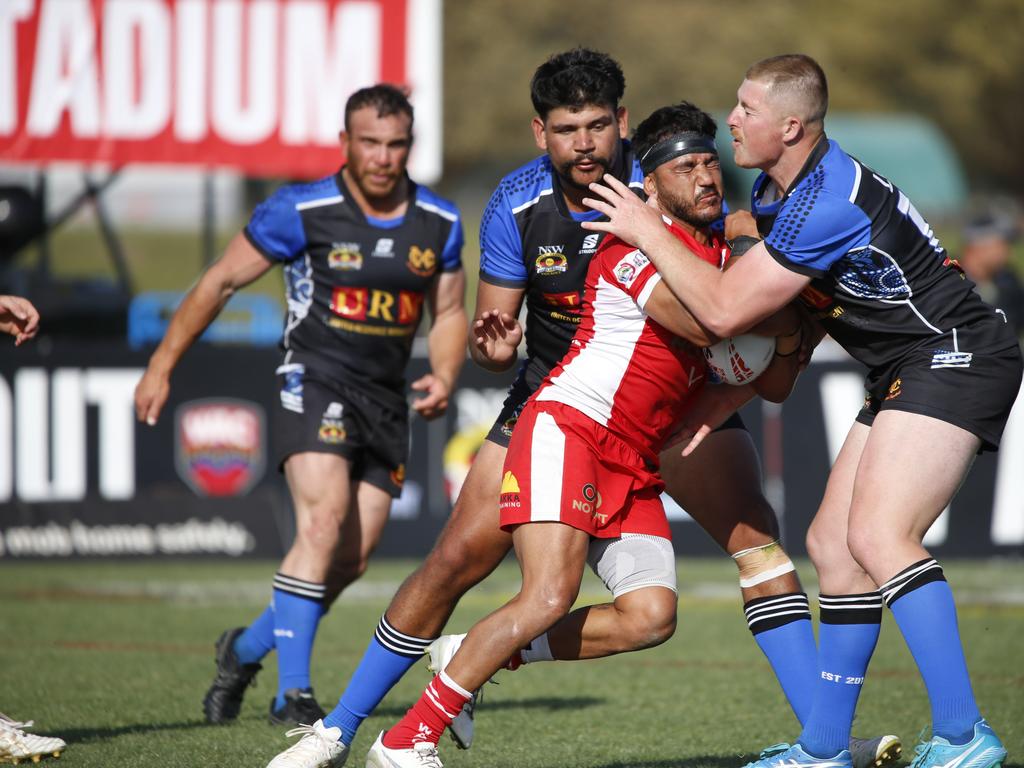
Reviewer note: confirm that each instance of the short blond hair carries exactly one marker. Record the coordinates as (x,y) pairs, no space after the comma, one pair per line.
(796,79)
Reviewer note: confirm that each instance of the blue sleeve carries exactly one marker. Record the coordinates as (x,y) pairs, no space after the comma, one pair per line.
(275,228)
(501,248)
(451,256)
(811,233)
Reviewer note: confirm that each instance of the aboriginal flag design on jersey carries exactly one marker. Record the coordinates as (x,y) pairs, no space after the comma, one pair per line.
(881,284)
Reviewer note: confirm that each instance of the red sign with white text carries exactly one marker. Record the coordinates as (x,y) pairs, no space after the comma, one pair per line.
(255,85)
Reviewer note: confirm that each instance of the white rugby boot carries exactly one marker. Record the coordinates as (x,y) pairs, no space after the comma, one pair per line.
(319,747)
(16,745)
(875,753)
(441,652)
(422,755)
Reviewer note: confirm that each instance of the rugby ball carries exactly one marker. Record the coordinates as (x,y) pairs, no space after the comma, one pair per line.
(741,359)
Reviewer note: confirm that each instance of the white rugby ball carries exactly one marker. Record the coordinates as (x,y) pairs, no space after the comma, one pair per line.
(741,359)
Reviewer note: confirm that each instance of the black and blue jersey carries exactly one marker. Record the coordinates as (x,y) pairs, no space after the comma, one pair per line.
(530,239)
(355,284)
(881,284)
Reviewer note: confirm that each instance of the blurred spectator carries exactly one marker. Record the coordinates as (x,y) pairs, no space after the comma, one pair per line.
(987,242)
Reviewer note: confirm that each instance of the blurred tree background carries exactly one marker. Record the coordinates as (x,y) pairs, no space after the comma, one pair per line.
(959,64)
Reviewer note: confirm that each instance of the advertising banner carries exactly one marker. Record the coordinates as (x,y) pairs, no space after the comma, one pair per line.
(80,477)
(254,85)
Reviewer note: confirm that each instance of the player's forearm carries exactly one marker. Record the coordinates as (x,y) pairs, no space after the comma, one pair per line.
(197,310)
(696,284)
(776,383)
(447,346)
(783,323)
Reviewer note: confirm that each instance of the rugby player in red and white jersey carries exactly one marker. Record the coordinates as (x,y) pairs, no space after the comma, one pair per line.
(583,459)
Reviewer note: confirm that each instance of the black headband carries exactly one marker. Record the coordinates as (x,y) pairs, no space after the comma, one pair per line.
(674,146)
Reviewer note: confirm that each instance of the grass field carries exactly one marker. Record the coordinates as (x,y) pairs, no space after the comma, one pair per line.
(115,657)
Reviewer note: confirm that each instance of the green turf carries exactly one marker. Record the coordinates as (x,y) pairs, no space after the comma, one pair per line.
(115,657)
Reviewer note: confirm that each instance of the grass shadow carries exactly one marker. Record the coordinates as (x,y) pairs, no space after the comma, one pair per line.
(88,735)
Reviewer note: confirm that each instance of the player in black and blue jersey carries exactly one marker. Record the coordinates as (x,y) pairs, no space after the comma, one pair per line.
(534,250)
(944,369)
(362,250)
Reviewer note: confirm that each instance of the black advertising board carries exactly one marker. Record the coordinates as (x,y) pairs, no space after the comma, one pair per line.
(80,477)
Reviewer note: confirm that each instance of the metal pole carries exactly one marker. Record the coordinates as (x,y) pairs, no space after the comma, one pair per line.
(209,229)
(42,192)
(117,255)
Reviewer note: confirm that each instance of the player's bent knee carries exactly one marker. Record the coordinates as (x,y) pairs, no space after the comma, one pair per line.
(548,603)
(319,531)
(649,617)
(869,544)
(823,546)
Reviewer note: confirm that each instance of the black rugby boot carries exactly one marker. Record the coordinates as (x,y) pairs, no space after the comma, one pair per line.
(223,700)
(300,708)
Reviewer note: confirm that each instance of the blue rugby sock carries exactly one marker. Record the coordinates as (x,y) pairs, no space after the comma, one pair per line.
(846,639)
(389,656)
(922,604)
(258,639)
(781,625)
(298,606)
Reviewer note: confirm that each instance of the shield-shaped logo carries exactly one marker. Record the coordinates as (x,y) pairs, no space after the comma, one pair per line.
(220,445)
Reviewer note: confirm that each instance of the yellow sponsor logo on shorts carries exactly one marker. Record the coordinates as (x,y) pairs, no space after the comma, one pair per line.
(509,483)
(398,475)
(895,390)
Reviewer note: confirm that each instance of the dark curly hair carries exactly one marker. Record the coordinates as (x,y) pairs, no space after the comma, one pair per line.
(575,79)
(668,121)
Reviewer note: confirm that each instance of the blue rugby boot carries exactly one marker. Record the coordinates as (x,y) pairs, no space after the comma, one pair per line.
(985,750)
(795,757)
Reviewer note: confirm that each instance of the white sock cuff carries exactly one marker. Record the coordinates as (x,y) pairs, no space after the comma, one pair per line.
(539,650)
(453,685)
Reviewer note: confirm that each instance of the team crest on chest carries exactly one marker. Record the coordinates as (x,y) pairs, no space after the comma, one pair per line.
(551,260)
(422,262)
(345,256)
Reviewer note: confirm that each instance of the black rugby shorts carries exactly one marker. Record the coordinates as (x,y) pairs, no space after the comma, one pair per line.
(975,394)
(343,420)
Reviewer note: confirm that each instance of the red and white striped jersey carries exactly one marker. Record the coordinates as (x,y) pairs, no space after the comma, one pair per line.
(623,369)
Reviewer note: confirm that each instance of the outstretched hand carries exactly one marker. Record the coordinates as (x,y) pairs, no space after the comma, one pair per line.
(629,218)
(435,400)
(18,318)
(496,336)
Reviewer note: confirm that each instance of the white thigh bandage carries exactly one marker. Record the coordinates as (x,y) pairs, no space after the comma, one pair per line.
(632,562)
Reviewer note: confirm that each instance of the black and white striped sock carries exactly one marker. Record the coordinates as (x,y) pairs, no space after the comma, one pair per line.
(764,613)
(307,589)
(863,608)
(910,578)
(399,642)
